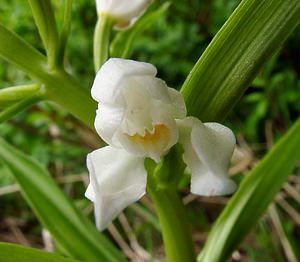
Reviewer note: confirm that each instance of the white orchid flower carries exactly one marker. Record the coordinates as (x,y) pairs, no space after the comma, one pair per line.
(139,116)
(124,11)
(136,117)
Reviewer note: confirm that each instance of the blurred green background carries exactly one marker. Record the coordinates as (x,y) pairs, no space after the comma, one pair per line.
(173,44)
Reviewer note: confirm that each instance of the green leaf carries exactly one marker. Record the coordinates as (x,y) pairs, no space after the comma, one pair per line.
(15,93)
(16,51)
(78,100)
(18,107)
(69,227)
(254,32)
(13,253)
(256,192)
(123,42)
(61,87)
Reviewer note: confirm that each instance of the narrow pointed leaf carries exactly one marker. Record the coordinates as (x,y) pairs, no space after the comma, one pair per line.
(14,253)
(16,93)
(16,51)
(253,33)
(61,87)
(256,192)
(18,107)
(65,31)
(45,20)
(75,234)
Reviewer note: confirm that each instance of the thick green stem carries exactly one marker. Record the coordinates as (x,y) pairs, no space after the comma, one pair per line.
(172,216)
(101,40)
(67,92)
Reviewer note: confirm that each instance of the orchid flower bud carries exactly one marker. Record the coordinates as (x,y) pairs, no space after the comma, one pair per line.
(123,11)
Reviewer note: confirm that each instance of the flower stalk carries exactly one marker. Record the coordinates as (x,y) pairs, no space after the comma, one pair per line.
(65,31)
(173,221)
(162,186)
(102,39)
(45,20)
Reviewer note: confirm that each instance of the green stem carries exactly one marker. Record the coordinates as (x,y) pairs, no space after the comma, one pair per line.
(15,93)
(45,20)
(172,216)
(65,30)
(61,87)
(18,107)
(101,40)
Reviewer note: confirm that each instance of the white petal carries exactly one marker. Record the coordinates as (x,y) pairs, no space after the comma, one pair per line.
(138,107)
(208,150)
(118,179)
(178,103)
(110,77)
(141,91)
(158,90)
(107,122)
(122,9)
(89,193)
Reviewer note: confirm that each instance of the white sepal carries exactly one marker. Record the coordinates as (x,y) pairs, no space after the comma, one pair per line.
(208,149)
(117,179)
(109,79)
(107,122)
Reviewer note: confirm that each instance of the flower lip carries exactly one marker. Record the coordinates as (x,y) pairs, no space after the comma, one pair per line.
(158,134)
(153,143)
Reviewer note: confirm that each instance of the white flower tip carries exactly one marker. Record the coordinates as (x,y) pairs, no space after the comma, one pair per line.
(124,11)
(89,193)
(210,185)
(117,179)
(110,77)
(155,158)
(110,206)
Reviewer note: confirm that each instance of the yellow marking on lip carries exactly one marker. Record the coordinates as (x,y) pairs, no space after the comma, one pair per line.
(160,133)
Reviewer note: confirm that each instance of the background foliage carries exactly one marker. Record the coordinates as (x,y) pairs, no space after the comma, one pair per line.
(173,44)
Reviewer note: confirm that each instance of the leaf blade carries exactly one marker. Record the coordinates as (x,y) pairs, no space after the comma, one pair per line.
(251,35)
(13,253)
(73,231)
(251,200)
